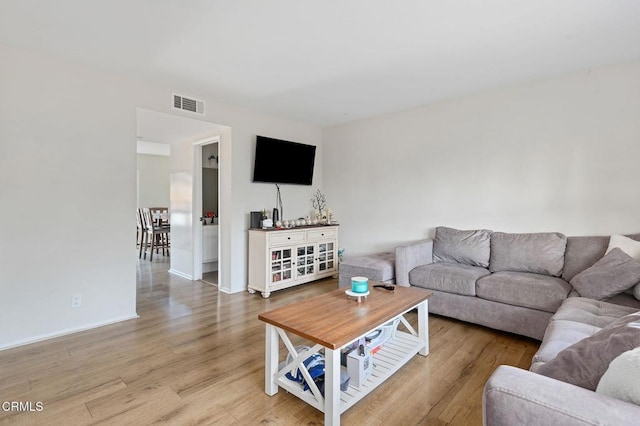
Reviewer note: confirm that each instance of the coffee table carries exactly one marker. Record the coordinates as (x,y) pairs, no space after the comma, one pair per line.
(332,321)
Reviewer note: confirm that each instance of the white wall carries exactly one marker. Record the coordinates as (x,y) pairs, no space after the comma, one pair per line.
(555,155)
(67,197)
(67,191)
(153,180)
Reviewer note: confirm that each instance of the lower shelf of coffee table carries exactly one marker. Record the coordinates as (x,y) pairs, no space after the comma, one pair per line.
(395,353)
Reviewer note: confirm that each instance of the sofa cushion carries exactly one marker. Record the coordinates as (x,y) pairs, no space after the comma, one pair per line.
(581,253)
(613,274)
(622,378)
(524,289)
(635,291)
(538,253)
(576,319)
(591,312)
(584,362)
(466,247)
(448,276)
(624,299)
(626,244)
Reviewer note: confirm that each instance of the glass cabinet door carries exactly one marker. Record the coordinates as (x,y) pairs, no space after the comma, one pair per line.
(281,265)
(305,258)
(326,257)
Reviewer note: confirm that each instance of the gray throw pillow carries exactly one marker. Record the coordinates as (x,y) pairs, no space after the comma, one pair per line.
(466,247)
(613,274)
(584,362)
(538,253)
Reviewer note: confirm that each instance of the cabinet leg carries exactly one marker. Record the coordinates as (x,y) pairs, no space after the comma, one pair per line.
(251,291)
(266,294)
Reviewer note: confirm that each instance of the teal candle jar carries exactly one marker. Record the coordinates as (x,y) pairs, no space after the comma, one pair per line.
(359,284)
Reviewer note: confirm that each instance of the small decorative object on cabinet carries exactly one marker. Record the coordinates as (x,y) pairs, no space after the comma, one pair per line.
(282,258)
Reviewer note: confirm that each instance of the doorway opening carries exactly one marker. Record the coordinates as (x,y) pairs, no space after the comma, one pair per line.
(152,195)
(185,180)
(206,204)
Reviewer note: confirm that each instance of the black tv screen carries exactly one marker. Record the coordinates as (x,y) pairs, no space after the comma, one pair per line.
(279,161)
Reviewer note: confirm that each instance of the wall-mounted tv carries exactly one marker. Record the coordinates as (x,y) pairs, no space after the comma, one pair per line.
(279,161)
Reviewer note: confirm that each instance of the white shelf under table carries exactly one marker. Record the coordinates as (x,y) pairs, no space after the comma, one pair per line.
(395,353)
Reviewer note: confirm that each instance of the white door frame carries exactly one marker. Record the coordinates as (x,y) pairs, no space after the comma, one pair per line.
(197,207)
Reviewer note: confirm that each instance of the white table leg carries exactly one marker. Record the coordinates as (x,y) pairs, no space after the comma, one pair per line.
(423,326)
(331,387)
(271,360)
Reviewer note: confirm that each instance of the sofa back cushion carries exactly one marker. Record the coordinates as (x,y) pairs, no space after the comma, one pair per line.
(625,299)
(538,253)
(584,252)
(466,247)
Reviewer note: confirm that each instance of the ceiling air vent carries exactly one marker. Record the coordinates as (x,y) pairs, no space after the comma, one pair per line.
(188,104)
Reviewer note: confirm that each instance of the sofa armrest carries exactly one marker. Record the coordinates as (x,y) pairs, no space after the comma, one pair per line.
(513,396)
(411,255)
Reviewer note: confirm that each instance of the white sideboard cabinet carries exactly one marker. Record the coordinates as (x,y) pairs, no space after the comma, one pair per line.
(282,258)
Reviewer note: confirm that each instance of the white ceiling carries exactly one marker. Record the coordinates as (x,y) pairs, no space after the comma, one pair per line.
(327,62)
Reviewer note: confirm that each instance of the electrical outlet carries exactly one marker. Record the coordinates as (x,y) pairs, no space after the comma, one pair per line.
(76,300)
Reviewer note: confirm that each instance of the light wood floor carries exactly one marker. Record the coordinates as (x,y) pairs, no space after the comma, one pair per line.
(196,356)
(210,277)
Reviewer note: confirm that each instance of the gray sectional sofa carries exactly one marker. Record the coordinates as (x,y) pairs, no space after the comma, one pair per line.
(535,285)
(510,282)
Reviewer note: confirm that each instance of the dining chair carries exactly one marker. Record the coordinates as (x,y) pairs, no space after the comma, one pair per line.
(160,215)
(144,241)
(139,231)
(155,236)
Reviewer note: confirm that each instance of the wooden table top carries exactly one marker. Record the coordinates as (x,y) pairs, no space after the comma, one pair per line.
(333,320)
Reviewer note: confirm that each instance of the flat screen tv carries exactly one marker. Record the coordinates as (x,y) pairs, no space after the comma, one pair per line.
(279,161)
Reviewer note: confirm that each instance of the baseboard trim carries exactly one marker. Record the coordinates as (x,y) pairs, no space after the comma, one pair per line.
(228,291)
(65,332)
(181,274)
